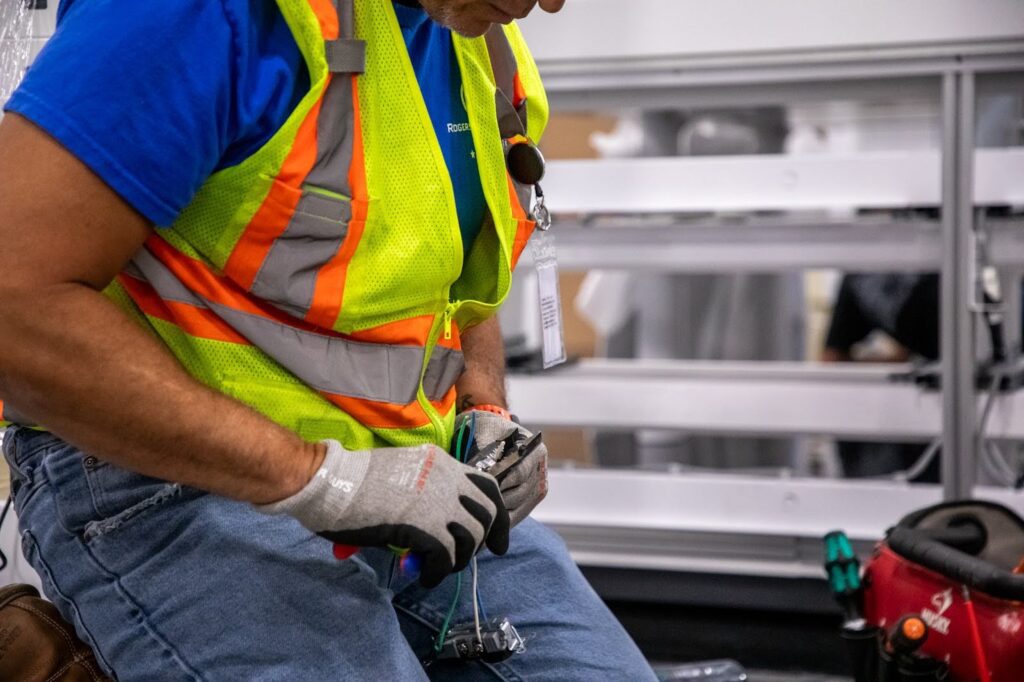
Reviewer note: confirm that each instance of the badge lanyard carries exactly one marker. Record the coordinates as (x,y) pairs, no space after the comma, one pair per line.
(526,166)
(545,260)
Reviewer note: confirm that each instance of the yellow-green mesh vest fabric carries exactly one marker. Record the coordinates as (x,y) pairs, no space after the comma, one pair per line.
(408,262)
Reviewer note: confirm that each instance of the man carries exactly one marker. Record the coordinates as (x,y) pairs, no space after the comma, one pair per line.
(906,307)
(252,251)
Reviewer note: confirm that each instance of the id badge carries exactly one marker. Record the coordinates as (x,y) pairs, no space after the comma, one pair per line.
(550,301)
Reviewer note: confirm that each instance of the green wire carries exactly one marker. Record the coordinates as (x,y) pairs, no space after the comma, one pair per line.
(439,643)
(458,441)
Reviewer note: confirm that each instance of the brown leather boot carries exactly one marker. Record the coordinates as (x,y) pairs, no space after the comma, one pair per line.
(37,645)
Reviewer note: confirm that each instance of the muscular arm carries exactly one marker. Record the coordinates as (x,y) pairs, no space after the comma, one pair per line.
(483,382)
(74,363)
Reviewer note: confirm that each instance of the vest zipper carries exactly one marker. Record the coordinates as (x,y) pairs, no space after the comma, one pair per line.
(446,330)
(448,311)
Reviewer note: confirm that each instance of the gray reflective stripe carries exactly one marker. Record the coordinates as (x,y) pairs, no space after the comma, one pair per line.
(443,370)
(370,371)
(287,277)
(525,194)
(12,416)
(145,266)
(503,59)
(346,18)
(345,56)
(511,122)
(335,138)
(133,270)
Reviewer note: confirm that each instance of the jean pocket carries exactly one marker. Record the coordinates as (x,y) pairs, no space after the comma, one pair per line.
(165,493)
(115,490)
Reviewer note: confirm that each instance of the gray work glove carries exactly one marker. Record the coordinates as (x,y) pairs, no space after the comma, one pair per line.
(526,484)
(420,498)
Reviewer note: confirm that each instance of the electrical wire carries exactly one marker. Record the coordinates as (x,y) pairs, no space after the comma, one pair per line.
(480,603)
(996,464)
(472,430)
(993,391)
(992,456)
(923,462)
(458,441)
(476,603)
(446,625)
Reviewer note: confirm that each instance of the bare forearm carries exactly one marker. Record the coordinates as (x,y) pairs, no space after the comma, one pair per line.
(483,382)
(77,365)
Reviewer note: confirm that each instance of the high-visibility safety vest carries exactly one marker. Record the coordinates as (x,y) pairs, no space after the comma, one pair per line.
(321,281)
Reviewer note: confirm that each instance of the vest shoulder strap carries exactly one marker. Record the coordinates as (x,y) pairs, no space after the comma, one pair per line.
(346,54)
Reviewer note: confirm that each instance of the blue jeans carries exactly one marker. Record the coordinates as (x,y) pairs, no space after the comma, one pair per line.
(167,582)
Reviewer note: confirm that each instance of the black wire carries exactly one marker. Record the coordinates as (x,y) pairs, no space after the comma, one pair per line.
(3,515)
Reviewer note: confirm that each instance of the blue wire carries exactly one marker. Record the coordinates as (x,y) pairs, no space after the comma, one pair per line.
(458,442)
(472,429)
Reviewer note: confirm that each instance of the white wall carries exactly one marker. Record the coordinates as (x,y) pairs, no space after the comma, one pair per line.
(595,29)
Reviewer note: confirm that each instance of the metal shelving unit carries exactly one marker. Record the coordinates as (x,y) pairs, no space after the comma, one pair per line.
(687,54)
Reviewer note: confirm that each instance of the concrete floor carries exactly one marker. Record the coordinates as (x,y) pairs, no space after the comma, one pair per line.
(665,672)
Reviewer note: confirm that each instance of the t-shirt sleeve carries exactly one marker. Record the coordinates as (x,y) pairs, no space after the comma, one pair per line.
(144,93)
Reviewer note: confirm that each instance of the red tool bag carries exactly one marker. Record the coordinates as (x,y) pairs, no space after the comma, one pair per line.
(952,566)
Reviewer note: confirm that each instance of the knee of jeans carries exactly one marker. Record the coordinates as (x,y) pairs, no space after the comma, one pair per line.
(541,543)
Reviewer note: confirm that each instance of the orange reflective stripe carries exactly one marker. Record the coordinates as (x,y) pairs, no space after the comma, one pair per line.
(201,280)
(446,403)
(205,283)
(412,332)
(199,322)
(330,281)
(518,212)
(519,92)
(524,227)
(455,342)
(378,415)
(326,12)
(275,213)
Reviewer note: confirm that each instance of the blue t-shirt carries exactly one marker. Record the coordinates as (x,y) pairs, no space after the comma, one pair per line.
(154,97)
(437,71)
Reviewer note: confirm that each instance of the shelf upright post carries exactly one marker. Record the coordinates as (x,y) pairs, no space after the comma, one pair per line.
(959,437)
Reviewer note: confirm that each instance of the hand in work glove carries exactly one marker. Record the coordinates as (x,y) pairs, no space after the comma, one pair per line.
(526,484)
(418,497)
